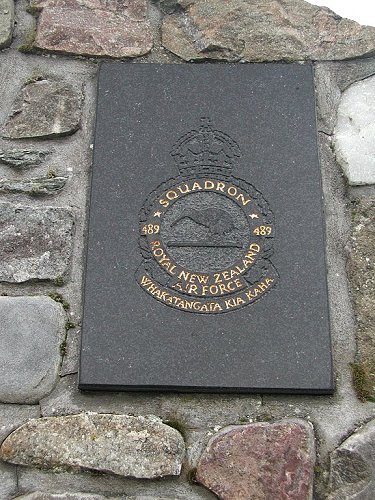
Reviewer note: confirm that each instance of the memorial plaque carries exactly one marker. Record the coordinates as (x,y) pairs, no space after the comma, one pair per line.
(206,256)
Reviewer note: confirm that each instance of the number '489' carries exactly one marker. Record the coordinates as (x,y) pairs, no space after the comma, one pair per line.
(263,230)
(151,229)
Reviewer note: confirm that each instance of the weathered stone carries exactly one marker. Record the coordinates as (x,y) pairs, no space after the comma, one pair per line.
(36,186)
(352,473)
(44,109)
(141,447)
(32,329)
(8,481)
(157,497)
(355,132)
(260,461)
(12,416)
(36,242)
(22,158)
(168,6)
(116,28)
(6,22)
(153,497)
(263,31)
(40,495)
(361,270)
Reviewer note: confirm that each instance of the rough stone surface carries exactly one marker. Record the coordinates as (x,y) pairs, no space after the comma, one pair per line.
(6,22)
(44,109)
(12,416)
(263,31)
(36,186)
(36,242)
(361,269)
(116,28)
(22,158)
(260,461)
(141,447)
(8,481)
(40,495)
(31,331)
(355,132)
(352,473)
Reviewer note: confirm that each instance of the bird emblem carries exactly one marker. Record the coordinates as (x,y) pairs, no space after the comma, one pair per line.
(217,221)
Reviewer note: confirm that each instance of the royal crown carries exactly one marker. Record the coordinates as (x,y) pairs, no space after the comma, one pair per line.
(205,150)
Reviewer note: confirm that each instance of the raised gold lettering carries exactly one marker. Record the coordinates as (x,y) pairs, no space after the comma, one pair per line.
(171,195)
(241,198)
(165,203)
(192,289)
(254,247)
(209,185)
(185,190)
(196,186)
(184,275)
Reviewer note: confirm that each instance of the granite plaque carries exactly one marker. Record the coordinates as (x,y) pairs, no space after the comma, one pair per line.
(205,266)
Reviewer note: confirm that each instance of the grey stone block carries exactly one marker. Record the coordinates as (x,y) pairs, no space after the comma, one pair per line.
(31,332)
(6,22)
(355,132)
(12,416)
(8,481)
(22,159)
(44,109)
(141,447)
(40,495)
(37,186)
(36,242)
(352,473)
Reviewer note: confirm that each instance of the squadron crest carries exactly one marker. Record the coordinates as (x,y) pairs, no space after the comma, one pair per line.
(205,235)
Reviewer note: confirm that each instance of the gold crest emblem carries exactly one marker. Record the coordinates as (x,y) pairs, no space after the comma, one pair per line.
(206,236)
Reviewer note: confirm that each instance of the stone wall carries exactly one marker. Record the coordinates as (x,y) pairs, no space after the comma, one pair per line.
(60,443)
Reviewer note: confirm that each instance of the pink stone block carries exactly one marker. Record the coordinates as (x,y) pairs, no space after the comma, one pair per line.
(260,461)
(93,29)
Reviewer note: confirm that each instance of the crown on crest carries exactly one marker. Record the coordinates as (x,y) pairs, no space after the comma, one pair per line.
(205,150)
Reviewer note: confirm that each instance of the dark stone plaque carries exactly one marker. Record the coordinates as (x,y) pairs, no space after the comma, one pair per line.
(206,255)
